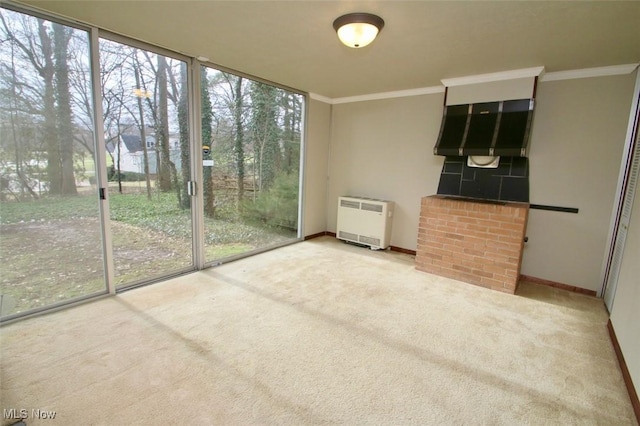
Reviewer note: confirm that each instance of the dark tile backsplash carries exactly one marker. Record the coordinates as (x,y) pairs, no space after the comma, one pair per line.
(452,168)
(508,182)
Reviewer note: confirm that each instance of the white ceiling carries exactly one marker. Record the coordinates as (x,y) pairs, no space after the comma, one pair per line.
(293,42)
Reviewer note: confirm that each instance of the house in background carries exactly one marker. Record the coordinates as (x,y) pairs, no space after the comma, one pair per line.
(374,114)
(130,153)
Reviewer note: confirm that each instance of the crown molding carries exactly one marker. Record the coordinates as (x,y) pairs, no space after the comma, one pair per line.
(388,95)
(494,76)
(377,96)
(589,72)
(485,78)
(320,98)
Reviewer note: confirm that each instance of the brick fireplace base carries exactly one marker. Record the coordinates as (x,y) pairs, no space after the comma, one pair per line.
(476,242)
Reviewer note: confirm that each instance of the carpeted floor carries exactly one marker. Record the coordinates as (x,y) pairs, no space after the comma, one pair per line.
(318,332)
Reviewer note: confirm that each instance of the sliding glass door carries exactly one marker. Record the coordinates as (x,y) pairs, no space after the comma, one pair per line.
(101,164)
(145,103)
(251,151)
(50,230)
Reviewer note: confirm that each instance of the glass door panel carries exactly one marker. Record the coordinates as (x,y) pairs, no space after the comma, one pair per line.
(251,134)
(51,249)
(145,102)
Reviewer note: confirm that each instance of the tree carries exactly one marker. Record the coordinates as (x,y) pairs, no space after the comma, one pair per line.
(43,80)
(207,141)
(20,127)
(265,133)
(118,116)
(183,126)
(238,147)
(46,71)
(139,93)
(229,110)
(162,127)
(61,36)
(290,103)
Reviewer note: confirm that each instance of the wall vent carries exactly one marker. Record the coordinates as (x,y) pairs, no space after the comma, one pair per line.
(347,236)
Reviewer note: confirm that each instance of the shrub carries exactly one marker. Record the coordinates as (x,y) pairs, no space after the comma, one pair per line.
(112,176)
(277,206)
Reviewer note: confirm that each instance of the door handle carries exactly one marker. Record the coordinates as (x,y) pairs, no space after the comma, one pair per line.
(191,188)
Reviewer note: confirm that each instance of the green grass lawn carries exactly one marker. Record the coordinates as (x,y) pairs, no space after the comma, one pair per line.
(160,214)
(50,249)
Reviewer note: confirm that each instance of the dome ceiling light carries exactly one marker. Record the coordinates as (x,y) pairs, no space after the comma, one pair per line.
(358,29)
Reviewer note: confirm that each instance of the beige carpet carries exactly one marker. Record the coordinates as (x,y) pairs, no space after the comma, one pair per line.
(318,333)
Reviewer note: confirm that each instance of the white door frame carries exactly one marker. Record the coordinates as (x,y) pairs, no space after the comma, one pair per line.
(622,205)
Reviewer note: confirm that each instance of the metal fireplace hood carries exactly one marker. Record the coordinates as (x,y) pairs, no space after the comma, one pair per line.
(499,128)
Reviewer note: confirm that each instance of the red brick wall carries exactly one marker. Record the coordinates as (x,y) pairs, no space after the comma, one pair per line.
(478,243)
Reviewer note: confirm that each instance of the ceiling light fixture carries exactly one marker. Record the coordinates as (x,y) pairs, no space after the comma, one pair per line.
(358,29)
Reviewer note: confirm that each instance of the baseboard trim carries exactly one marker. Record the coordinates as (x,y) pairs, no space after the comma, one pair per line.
(402,250)
(633,395)
(317,235)
(555,284)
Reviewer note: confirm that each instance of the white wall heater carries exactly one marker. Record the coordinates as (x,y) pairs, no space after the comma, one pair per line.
(365,221)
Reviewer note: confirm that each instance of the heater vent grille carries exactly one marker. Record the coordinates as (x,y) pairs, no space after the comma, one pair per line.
(350,204)
(347,236)
(370,241)
(372,207)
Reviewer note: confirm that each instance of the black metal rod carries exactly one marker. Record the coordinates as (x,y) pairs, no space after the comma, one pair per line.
(553,208)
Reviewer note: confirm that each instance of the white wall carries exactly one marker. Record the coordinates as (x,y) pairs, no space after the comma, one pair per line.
(577,140)
(625,314)
(384,149)
(316,167)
